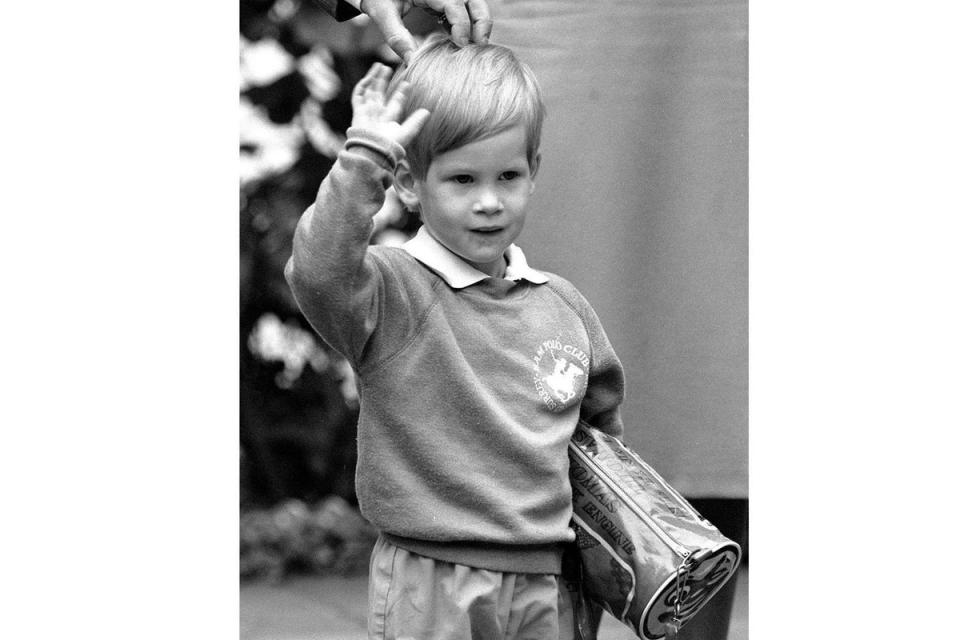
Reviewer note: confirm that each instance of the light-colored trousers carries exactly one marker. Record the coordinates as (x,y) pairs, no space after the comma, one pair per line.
(418,598)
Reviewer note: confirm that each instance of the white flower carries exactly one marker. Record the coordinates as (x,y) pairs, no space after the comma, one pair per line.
(317,68)
(262,62)
(274,341)
(266,148)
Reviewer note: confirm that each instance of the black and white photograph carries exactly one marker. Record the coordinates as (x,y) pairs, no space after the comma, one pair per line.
(592,320)
(428,391)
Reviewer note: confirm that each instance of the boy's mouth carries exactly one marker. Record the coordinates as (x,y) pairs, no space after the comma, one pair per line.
(487,230)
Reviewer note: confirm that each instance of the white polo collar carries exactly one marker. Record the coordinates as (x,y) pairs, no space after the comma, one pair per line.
(457,272)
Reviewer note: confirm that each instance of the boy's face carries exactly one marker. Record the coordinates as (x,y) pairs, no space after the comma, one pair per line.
(473,199)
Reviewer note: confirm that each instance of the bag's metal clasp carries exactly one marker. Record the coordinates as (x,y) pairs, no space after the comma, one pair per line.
(683,571)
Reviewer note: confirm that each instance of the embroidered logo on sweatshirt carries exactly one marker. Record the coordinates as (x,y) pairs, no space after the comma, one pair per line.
(560,373)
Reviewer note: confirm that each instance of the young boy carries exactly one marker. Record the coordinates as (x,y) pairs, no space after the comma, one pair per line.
(473,368)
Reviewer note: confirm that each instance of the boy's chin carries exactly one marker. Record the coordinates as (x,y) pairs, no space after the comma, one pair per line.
(485,264)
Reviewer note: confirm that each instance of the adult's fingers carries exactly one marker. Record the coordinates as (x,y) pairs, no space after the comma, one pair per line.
(481,19)
(459,20)
(456,14)
(386,15)
(402,44)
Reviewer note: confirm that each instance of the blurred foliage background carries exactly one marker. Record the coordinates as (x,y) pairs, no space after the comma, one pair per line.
(298,398)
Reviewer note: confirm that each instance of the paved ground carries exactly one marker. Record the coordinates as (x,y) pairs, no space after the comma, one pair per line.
(314,608)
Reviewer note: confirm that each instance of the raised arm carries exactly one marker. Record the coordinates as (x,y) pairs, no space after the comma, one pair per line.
(331,278)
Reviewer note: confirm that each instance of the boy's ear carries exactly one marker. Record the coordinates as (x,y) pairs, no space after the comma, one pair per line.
(405,185)
(534,167)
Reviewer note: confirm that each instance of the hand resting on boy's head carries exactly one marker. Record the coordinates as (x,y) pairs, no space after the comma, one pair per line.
(467,21)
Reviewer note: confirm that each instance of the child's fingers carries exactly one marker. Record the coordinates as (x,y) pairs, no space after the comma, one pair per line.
(394,106)
(374,82)
(380,80)
(361,87)
(359,95)
(412,126)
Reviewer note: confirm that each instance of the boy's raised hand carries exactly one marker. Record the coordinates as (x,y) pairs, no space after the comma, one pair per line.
(372,109)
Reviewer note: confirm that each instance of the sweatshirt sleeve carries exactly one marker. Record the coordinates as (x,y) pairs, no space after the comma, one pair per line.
(600,407)
(336,283)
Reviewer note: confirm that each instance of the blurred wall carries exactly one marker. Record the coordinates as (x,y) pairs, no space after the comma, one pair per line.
(641,202)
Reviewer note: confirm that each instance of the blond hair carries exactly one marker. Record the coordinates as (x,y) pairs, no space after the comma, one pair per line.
(472,93)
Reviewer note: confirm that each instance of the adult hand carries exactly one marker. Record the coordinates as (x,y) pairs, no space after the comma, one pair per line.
(468,20)
(374,111)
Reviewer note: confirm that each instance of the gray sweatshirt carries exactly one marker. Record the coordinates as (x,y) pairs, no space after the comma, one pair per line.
(470,386)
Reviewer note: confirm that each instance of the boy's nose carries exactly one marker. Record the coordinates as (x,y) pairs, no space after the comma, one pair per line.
(488,202)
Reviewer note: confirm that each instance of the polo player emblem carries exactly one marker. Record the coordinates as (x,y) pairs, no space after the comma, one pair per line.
(560,373)
(563,380)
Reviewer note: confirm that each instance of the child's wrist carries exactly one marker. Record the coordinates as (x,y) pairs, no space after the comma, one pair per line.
(388,149)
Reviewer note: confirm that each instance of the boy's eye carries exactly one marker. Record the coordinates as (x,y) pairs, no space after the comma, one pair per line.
(462,179)
(510,175)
